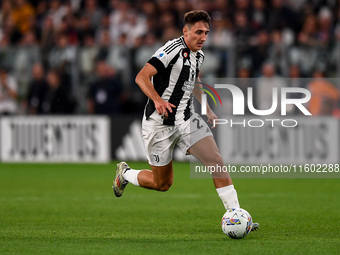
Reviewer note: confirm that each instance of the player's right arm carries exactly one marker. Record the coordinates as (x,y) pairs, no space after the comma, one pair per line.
(143,79)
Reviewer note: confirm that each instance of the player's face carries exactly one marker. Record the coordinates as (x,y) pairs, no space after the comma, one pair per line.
(196,35)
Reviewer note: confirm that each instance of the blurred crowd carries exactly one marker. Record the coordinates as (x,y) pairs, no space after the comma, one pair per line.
(81,56)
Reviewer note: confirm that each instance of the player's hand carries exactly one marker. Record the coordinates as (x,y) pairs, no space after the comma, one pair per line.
(211,117)
(162,107)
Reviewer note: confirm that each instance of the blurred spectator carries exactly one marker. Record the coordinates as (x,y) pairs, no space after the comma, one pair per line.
(10,32)
(63,57)
(168,27)
(243,6)
(281,16)
(325,34)
(220,40)
(8,93)
(41,11)
(148,48)
(337,23)
(222,6)
(84,28)
(25,56)
(5,11)
(47,39)
(75,5)
(104,94)
(126,20)
(33,27)
(56,11)
(7,51)
(244,37)
(37,90)
(325,96)
(104,45)
(58,99)
(92,11)
(220,35)
(167,20)
(165,5)
(170,33)
(148,8)
(119,19)
(153,26)
(299,5)
(119,59)
(22,13)
(134,28)
(103,28)
(305,54)
(181,7)
(87,57)
(265,85)
(68,27)
(259,15)
(308,33)
(260,52)
(278,53)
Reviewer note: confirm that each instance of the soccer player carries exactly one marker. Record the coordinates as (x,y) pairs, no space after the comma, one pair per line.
(169,81)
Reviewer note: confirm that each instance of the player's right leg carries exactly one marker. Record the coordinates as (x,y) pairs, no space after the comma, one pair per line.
(119,183)
(160,178)
(159,146)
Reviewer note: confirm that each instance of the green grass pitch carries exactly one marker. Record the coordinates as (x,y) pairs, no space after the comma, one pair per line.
(71,209)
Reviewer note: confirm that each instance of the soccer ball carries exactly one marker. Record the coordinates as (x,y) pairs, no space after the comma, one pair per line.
(236,223)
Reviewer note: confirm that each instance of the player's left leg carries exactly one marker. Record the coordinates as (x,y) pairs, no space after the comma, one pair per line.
(206,151)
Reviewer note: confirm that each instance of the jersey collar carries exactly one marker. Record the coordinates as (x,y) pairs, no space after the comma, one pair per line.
(183,41)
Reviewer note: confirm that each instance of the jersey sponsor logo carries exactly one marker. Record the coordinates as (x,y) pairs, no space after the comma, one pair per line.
(188,86)
(199,62)
(160,55)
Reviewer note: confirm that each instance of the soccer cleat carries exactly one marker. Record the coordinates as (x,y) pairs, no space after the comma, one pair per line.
(120,183)
(255,227)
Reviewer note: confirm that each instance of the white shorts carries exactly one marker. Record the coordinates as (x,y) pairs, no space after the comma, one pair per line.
(160,140)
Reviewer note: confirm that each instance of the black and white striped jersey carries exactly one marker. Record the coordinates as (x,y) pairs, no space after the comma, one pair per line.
(177,70)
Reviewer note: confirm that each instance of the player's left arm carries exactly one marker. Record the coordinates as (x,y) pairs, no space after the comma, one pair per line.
(198,92)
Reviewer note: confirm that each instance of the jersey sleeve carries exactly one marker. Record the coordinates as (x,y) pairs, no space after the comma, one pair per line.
(200,59)
(163,56)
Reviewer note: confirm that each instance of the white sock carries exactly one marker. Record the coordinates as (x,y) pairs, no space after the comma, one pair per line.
(228,196)
(131,176)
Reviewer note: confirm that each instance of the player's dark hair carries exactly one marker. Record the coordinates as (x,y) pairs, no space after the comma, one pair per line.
(190,18)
